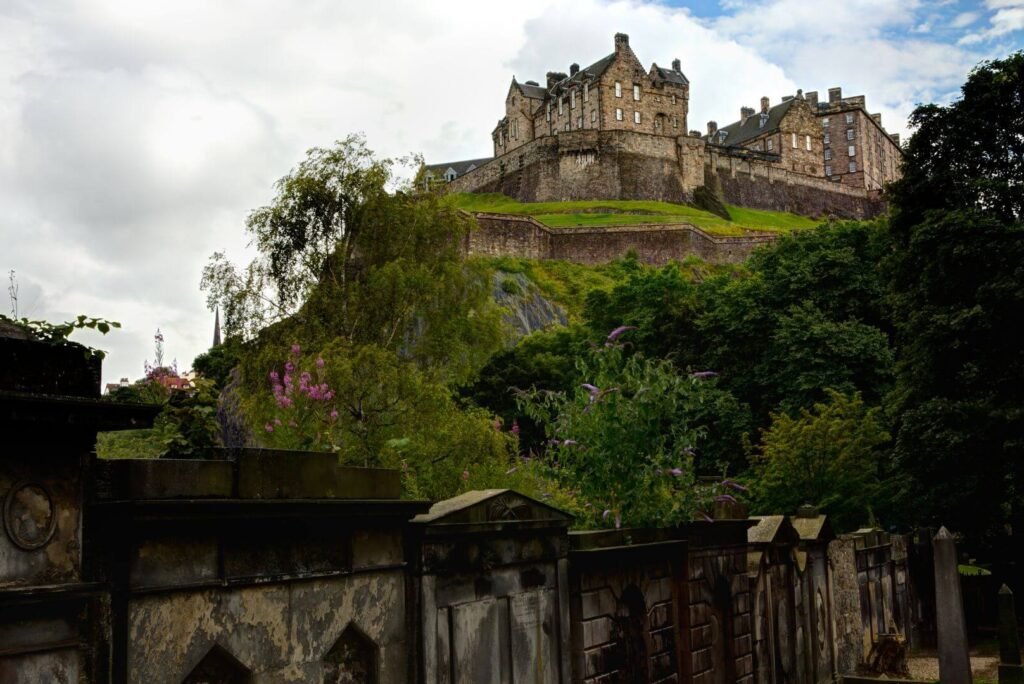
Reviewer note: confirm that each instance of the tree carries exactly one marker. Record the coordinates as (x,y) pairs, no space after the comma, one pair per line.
(830,456)
(957,290)
(342,256)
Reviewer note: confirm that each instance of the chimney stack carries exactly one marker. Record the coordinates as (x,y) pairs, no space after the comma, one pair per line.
(677,65)
(745,113)
(877,119)
(554,77)
(574,69)
(799,93)
(712,128)
(835,95)
(621,42)
(895,138)
(764,104)
(812,99)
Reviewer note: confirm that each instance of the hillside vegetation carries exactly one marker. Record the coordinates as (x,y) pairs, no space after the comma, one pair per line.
(594,213)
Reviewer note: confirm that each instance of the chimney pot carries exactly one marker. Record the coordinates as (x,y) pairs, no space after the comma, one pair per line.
(621,41)
(764,104)
(745,113)
(835,95)
(812,99)
(677,65)
(712,127)
(574,69)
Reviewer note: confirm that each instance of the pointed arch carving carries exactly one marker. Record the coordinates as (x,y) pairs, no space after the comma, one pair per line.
(353,659)
(218,667)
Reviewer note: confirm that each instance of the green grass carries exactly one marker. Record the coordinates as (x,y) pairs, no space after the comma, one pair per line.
(563,282)
(595,213)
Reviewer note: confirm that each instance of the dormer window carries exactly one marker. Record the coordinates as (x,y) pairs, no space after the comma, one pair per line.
(618,89)
(449,175)
(721,136)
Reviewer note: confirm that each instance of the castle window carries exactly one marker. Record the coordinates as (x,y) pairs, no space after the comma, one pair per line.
(636,117)
(828,169)
(853,167)
(828,138)
(852,151)
(560,105)
(849,117)
(618,89)
(636,92)
(824,122)
(794,141)
(572,99)
(593,115)
(849,134)
(549,111)
(807,142)
(771,144)
(566,125)
(586,92)
(675,122)
(828,155)
(579,121)
(618,115)
(673,99)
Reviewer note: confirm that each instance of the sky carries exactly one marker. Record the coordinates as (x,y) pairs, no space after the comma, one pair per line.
(136,136)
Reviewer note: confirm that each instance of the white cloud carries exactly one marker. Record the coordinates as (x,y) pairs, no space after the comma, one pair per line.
(964,19)
(138,135)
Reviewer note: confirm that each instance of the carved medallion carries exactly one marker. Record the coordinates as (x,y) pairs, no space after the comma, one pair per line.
(29,515)
(507,507)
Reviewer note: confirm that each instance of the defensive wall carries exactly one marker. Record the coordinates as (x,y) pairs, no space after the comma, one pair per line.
(594,165)
(653,243)
(251,565)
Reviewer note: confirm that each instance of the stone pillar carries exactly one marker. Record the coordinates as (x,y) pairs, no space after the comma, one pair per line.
(954,662)
(1010,669)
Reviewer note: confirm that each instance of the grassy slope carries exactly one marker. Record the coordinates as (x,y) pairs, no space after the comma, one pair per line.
(627,212)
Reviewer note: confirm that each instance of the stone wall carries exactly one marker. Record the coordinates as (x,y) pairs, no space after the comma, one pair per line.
(657,244)
(623,164)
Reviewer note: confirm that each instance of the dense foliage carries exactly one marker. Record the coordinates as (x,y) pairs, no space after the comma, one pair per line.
(957,279)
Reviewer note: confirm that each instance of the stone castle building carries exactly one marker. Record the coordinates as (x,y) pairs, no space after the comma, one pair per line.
(617,130)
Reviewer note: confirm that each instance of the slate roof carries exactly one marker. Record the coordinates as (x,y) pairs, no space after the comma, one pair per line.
(534,92)
(739,132)
(595,70)
(461,167)
(671,75)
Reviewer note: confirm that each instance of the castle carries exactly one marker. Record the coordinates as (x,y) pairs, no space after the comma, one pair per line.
(616,130)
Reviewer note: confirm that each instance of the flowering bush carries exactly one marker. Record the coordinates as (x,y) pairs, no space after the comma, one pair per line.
(624,441)
(306,415)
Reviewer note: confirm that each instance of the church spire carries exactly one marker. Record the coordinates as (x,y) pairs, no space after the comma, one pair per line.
(216,328)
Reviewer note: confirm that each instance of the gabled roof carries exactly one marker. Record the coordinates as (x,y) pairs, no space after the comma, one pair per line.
(671,75)
(739,132)
(460,167)
(814,528)
(592,71)
(534,92)
(772,529)
(491,506)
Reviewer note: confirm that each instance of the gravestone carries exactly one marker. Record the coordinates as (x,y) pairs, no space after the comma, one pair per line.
(954,662)
(1010,669)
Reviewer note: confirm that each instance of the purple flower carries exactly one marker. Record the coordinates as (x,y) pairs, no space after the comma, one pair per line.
(284,402)
(289,367)
(607,512)
(274,377)
(268,427)
(515,427)
(676,472)
(320,363)
(614,334)
(725,498)
(465,474)
(704,375)
(334,414)
(731,484)
(296,349)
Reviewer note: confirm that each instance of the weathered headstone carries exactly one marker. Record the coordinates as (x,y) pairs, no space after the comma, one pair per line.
(954,662)
(1010,669)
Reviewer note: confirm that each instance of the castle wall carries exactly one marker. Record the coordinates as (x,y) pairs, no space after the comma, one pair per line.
(656,244)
